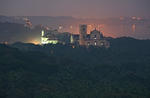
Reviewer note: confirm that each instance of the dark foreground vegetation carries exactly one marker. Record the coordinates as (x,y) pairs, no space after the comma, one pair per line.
(57,71)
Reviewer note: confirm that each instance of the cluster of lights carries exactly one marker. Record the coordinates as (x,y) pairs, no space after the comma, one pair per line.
(136,18)
(133,18)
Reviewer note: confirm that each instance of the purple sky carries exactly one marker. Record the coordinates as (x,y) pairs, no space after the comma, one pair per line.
(76,8)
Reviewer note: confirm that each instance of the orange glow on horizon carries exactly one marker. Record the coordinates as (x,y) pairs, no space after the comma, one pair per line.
(34,41)
(100,27)
(109,35)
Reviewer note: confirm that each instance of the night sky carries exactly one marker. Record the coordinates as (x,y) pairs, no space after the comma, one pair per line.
(76,8)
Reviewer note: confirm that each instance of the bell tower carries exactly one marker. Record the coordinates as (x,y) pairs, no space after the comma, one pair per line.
(83,33)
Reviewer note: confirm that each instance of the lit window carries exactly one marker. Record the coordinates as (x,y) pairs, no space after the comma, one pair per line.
(102,44)
(88,43)
(95,43)
(94,36)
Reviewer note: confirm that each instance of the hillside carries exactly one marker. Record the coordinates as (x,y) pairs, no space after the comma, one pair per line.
(57,71)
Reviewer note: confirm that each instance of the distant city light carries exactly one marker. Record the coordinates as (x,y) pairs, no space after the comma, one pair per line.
(134,18)
(133,28)
(139,18)
(60,27)
(71,27)
(121,18)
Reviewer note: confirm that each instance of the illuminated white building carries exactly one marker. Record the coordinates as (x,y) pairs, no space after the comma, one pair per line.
(47,38)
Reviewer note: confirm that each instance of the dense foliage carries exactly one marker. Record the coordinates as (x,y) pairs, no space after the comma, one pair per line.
(58,71)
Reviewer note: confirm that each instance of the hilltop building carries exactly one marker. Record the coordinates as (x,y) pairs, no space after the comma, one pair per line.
(95,38)
(54,37)
(48,38)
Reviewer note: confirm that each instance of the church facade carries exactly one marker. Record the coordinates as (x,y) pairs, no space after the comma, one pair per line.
(95,38)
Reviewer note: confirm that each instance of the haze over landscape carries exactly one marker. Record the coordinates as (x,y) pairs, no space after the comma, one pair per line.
(76,8)
(115,18)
